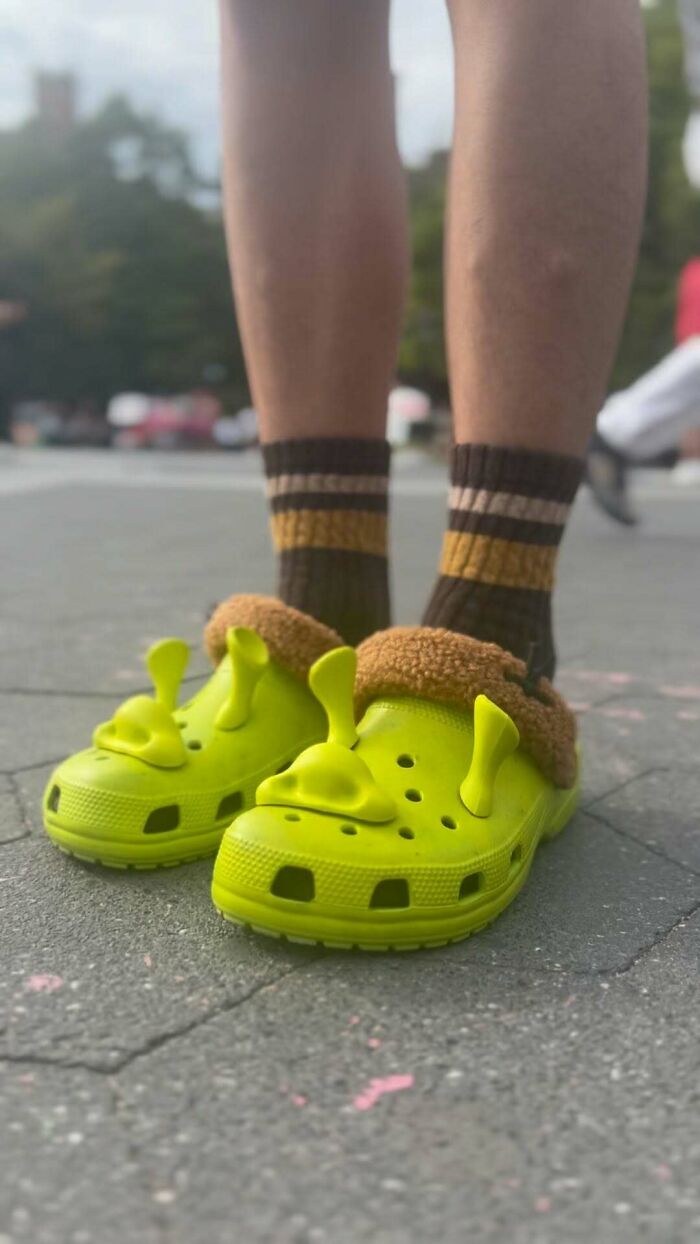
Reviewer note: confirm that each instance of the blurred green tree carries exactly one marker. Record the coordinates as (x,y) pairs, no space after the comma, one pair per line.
(104,237)
(422,355)
(671,231)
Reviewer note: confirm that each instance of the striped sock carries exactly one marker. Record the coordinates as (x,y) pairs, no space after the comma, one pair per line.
(508,510)
(329,500)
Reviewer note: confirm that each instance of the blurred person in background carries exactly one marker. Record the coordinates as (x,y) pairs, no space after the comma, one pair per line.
(658,413)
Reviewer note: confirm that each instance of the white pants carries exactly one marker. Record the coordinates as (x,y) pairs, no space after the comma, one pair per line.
(654,414)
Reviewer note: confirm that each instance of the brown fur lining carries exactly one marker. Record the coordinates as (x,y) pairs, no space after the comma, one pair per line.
(294,639)
(453,669)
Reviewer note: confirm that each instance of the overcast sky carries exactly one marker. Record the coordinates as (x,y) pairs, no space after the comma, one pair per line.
(163,54)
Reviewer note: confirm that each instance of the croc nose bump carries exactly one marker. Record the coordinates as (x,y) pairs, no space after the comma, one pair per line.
(144,729)
(329,778)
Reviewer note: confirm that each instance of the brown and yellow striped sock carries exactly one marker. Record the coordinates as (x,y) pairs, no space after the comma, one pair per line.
(508,510)
(329,501)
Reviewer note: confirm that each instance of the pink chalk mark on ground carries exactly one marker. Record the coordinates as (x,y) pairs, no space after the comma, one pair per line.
(681,693)
(543,1205)
(43,982)
(623,714)
(685,714)
(373,1043)
(297,1099)
(379,1088)
(148,961)
(354,1019)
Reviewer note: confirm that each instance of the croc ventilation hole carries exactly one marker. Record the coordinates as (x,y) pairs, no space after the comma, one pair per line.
(405,761)
(350,830)
(292,816)
(162,820)
(181,725)
(294,883)
(448,821)
(470,885)
(230,804)
(516,854)
(54,799)
(414,796)
(194,745)
(390,893)
(405,832)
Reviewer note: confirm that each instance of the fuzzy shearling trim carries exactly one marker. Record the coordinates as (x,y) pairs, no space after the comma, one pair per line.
(450,668)
(294,639)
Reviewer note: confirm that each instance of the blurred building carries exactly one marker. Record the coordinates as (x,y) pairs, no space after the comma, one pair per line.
(55,103)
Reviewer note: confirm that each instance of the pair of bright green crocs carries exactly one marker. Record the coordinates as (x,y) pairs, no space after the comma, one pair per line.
(389,798)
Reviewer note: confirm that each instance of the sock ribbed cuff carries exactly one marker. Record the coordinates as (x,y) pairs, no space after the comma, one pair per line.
(508,510)
(328,499)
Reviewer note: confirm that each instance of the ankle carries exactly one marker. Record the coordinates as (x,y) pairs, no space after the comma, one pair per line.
(508,510)
(328,499)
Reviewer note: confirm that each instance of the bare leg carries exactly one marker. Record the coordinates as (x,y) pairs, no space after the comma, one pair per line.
(546,197)
(545,207)
(316,225)
(315,211)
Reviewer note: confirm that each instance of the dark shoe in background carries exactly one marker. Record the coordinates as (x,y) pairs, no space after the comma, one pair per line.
(606,476)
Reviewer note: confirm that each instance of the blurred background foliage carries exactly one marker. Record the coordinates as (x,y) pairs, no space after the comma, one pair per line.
(116,249)
(672,221)
(122,270)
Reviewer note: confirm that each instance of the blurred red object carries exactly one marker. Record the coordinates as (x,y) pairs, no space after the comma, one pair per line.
(173,423)
(688,309)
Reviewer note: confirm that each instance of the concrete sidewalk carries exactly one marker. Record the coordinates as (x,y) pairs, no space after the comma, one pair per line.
(167,1078)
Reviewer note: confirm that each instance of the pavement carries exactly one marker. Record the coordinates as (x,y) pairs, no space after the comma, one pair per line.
(169,1079)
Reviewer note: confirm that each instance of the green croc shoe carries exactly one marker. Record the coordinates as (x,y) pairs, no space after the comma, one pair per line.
(161,782)
(419,826)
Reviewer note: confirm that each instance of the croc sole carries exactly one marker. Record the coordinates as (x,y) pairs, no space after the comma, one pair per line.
(415,929)
(115,854)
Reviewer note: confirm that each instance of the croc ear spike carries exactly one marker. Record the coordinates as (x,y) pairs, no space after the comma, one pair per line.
(332,680)
(166,662)
(495,737)
(249,660)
